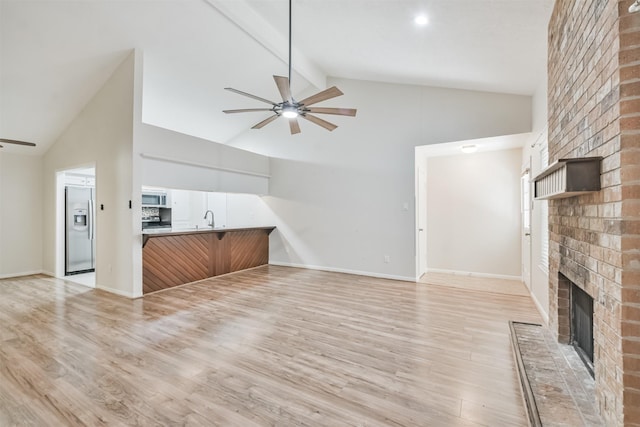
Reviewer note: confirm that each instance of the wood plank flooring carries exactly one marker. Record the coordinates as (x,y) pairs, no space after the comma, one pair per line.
(268,346)
(500,286)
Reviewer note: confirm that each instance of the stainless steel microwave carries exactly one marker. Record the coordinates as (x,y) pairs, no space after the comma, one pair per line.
(158,199)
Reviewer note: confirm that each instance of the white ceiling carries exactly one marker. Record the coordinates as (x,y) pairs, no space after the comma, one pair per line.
(490,45)
(496,143)
(55,54)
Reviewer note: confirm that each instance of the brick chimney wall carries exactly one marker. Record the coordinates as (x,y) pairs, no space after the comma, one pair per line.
(594,110)
(629,60)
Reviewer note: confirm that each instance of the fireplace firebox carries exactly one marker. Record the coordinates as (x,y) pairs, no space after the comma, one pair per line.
(582,325)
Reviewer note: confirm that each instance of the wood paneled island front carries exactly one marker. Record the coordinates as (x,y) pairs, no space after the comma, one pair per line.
(171,258)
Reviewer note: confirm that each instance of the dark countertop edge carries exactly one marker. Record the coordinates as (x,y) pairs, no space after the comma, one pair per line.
(203,230)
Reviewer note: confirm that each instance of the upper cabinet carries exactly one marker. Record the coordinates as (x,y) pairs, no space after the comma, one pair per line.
(188,208)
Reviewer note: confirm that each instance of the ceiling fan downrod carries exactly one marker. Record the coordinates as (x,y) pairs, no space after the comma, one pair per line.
(290,13)
(291,109)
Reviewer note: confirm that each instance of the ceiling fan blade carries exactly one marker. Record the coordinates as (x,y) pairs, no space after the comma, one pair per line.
(283,87)
(317,120)
(332,92)
(265,122)
(13,141)
(246,110)
(239,92)
(294,126)
(338,111)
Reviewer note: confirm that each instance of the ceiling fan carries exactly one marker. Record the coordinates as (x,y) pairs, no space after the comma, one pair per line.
(292,109)
(13,141)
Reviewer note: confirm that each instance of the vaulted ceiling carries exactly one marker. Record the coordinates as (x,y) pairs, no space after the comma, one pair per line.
(55,55)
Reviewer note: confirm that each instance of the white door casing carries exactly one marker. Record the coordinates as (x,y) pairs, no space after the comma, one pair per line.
(525,186)
(422,221)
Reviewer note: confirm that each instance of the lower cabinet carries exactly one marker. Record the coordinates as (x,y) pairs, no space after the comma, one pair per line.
(175,259)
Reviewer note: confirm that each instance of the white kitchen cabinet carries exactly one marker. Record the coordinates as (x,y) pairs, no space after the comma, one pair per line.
(180,209)
(188,208)
(217,203)
(230,210)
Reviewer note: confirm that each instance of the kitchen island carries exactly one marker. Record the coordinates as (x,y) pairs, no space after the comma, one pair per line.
(175,257)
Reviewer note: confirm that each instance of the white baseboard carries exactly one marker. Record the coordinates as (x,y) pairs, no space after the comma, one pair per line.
(472,274)
(346,271)
(117,292)
(545,316)
(48,273)
(21,274)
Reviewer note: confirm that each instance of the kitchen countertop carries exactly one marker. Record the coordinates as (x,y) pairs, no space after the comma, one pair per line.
(174,231)
(160,232)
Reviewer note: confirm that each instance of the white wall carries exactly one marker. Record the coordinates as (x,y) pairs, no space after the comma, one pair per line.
(343,200)
(109,133)
(473,213)
(539,280)
(102,134)
(191,163)
(21,214)
(248,210)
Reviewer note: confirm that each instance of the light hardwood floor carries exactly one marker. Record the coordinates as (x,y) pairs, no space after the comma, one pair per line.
(269,346)
(499,286)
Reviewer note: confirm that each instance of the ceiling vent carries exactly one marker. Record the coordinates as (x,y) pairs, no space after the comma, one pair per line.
(568,178)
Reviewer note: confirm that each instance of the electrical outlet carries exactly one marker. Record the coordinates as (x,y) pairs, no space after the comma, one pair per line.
(387,259)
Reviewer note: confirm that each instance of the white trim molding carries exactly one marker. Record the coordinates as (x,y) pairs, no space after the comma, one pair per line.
(202,165)
(118,292)
(345,271)
(543,314)
(473,274)
(23,274)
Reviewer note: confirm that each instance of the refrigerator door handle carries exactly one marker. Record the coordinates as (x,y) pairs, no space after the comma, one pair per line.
(91,218)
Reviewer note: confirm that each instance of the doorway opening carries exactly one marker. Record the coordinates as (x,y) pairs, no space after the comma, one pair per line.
(467,194)
(76,226)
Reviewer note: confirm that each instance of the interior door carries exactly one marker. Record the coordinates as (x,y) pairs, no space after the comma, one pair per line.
(525,185)
(422,221)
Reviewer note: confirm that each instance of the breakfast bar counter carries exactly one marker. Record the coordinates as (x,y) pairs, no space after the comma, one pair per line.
(175,257)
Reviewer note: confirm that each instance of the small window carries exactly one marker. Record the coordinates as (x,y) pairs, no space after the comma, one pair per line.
(544,212)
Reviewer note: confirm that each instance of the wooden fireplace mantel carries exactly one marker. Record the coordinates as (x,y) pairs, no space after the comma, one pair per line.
(568,178)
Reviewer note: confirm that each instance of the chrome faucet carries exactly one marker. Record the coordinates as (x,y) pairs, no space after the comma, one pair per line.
(212,223)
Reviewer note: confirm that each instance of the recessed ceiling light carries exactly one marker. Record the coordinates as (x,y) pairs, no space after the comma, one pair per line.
(421,20)
(469,148)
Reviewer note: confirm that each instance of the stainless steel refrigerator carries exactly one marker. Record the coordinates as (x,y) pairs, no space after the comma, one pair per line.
(80,230)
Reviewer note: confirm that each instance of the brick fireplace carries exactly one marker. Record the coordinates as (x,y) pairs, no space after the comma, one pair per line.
(594,110)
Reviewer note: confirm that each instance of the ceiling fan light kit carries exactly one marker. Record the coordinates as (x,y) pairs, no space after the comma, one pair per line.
(290,112)
(292,109)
